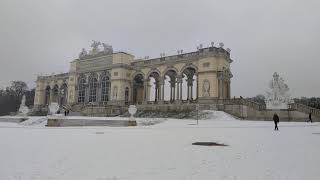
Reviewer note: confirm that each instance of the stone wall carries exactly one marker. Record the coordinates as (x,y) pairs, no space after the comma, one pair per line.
(89,122)
(246,112)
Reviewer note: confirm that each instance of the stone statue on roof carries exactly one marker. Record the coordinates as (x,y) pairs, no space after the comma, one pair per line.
(107,48)
(95,47)
(83,53)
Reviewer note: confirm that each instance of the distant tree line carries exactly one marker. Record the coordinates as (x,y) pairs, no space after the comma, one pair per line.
(312,102)
(260,99)
(10,97)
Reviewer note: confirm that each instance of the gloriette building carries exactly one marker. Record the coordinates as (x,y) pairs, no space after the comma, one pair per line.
(104,82)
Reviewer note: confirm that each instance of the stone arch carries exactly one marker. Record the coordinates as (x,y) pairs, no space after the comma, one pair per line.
(189,81)
(153,80)
(170,68)
(189,65)
(63,94)
(138,84)
(137,73)
(80,77)
(105,73)
(170,83)
(93,75)
(154,70)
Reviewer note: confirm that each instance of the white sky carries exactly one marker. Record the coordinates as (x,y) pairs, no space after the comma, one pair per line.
(265,36)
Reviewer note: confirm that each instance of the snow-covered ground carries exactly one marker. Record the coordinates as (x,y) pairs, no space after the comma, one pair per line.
(30,151)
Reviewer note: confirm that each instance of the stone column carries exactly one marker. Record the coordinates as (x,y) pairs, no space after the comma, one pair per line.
(162,91)
(148,92)
(197,89)
(189,84)
(170,91)
(181,89)
(191,94)
(159,92)
(156,94)
(145,85)
(188,91)
(174,90)
(50,96)
(178,90)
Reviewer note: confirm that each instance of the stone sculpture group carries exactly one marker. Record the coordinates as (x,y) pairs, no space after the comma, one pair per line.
(107,49)
(278,97)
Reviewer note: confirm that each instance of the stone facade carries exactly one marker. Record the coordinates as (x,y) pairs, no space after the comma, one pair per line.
(103,78)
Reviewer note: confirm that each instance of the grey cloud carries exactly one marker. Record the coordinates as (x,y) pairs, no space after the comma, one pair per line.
(265,36)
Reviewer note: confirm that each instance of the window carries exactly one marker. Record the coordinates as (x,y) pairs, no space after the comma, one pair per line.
(206,64)
(93,84)
(81,90)
(105,88)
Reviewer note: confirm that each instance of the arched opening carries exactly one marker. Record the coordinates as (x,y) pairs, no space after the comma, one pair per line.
(47,95)
(81,90)
(138,89)
(170,88)
(63,94)
(153,89)
(93,87)
(189,86)
(105,88)
(126,95)
(55,93)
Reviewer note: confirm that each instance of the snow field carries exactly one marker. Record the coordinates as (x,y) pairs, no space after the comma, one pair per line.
(162,151)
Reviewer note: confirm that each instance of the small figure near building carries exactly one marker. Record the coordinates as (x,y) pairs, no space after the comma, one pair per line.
(276,121)
(310,117)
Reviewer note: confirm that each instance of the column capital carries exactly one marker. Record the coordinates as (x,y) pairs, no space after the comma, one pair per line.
(161,81)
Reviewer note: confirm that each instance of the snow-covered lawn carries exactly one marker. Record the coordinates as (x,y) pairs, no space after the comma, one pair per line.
(162,151)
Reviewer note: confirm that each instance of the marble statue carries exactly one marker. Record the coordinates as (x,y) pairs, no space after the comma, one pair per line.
(107,48)
(278,97)
(95,47)
(83,53)
(23,109)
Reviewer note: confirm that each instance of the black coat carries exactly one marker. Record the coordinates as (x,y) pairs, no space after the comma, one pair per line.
(276,118)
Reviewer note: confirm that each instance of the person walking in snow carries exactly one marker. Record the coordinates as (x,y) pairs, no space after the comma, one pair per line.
(310,118)
(276,121)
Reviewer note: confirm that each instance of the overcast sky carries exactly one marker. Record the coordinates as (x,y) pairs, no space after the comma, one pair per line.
(43,36)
